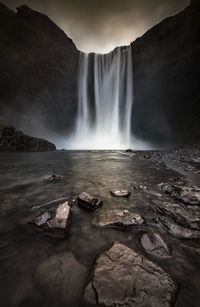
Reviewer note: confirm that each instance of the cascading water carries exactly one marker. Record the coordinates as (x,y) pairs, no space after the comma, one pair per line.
(105,101)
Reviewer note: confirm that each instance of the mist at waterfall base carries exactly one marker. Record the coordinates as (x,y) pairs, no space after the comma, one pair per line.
(106,101)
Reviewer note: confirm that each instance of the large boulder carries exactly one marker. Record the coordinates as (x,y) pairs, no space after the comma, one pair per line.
(122,277)
(15,140)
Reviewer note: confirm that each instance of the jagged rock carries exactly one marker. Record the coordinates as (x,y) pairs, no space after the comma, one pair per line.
(188,195)
(122,277)
(53,178)
(55,221)
(181,214)
(89,202)
(15,140)
(120,193)
(154,244)
(42,219)
(117,218)
(178,231)
(61,278)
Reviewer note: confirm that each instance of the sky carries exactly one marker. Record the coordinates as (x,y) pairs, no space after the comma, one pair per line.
(102,25)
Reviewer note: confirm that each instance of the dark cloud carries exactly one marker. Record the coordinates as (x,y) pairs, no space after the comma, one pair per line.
(100,25)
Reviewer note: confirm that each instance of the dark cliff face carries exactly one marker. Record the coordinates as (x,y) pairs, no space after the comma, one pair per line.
(39,69)
(166,79)
(39,74)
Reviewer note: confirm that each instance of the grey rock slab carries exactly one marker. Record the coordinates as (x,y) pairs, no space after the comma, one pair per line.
(177,230)
(61,218)
(117,218)
(122,277)
(188,195)
(187,216)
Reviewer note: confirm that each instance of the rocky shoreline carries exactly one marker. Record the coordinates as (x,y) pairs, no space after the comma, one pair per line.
(104,237)
(12,139)
(122,276)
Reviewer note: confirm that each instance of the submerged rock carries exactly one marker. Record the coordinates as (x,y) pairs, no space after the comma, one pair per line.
(188,195)
(61,278)
(122,277)
(53,178)
(117,218)
(120,193)
(89,202)
(55,221)
(154,244)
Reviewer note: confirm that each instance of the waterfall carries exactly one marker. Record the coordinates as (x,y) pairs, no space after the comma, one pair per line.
(105,101)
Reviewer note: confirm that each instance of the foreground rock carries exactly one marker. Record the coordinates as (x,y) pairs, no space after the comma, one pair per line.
(120,193)
(55,221)
(186,216)
(179,220)
(15,140)
(61,278)
(53,178)
(122,277)
(154,244)
(188,195)
(178,230)
(118,218)
(89,202)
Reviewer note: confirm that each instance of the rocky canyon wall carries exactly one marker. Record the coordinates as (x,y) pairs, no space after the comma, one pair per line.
(166,67)
(39,72)
(39,69)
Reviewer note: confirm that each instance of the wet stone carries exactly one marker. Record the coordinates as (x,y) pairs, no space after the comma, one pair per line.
(55,221)
(42,219)
(187,216)
(188,195)
(154,244)
(53,178)
(89,202)
(117,218)
(123,277)
(120,193)
(177,230)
